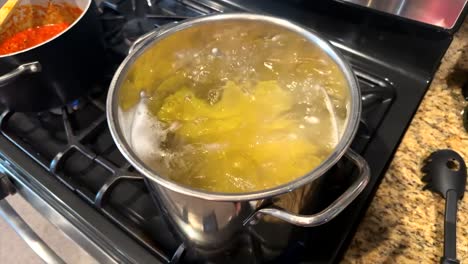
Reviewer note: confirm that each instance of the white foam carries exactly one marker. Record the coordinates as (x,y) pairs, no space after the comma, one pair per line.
(142,131)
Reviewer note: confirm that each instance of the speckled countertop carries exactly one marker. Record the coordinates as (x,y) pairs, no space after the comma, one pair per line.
(404,224)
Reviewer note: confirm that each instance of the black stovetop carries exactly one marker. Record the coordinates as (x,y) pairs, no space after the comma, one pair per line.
(393,60)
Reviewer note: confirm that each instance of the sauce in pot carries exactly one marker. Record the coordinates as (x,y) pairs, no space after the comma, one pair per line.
(31,37)
(31,25)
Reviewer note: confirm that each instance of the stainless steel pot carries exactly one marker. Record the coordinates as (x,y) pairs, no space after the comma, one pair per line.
(210,220)
(56,71)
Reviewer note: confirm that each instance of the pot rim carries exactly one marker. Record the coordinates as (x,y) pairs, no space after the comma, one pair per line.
(85,10)
(344,143)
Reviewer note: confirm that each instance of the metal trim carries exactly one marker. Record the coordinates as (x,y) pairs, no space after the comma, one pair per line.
(103,241)
(57,219)
(23,230)
(443,14)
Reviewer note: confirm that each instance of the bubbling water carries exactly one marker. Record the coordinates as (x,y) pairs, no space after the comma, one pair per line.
(241,109)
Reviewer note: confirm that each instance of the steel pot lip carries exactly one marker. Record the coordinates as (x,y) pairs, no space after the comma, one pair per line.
(344,143)
(89,2)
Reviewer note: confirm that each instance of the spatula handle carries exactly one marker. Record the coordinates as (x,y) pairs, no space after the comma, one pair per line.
(450,229)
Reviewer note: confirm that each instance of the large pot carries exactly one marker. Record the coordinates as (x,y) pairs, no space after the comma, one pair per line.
(57,71)
(209,220)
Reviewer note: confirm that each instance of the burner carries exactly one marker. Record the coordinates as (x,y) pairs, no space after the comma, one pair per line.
(125,21)
(135,28)
(71,107)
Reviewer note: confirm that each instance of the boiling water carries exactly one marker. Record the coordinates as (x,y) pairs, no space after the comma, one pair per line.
(248,108)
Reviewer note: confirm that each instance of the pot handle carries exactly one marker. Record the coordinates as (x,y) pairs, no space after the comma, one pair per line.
(332,210)
(31,67)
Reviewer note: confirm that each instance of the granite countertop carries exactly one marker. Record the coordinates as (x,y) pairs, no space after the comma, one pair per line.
(404,224)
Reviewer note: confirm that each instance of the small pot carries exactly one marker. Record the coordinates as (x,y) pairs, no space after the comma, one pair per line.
(209,220)
(57,71)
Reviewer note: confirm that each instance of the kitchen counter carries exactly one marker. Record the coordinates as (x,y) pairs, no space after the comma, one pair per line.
(404,224)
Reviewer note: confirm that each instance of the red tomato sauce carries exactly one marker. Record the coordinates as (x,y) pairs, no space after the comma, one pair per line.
(31,37)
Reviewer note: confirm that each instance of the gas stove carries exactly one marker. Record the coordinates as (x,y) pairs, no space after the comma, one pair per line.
(65,163)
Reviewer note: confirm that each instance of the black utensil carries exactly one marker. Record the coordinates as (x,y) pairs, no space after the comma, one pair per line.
(445,173)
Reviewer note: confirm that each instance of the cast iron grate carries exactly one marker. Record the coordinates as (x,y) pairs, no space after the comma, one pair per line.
(80,153)
(125,20)
(74,144)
